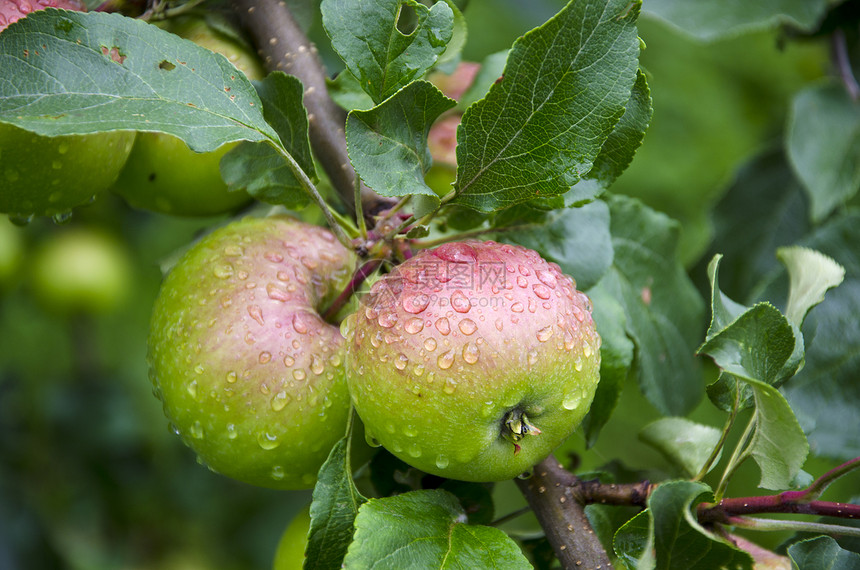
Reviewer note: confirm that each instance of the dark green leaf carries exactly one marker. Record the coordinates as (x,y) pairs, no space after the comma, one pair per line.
(778,446)
(576,238)
(670,528)
(721,18)
(824,146)
(664,311)
(335,506)
(426,529)
(259,168)
(616,358)
(823,553)
(365,35)
(617,152)
(540,127)
(388,144)
(451,56)
(685,443)
(77,73)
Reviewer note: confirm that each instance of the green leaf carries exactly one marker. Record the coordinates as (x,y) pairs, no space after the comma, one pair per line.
(720,18)
(617,152)
(451,56)
(812,274)
(674,534)
(259,168)
(77,73)
(576,238)
(388,144)
(426,529)
(335,505)
(346,91)
(823,553)
(685,443)
(616,359)
(540,127)
(364,34)
(663,308)
(826,394)
(824,146)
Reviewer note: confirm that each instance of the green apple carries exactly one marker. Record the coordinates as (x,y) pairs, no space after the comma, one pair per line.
(473,361)
(48,176)
(81,270)
(251,377)
(11,251)
(290,554)
(164,175)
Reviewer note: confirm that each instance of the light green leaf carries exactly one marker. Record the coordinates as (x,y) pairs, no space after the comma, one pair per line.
(259,168)
(823,553)
(811,274)
(540,127)
(663,308)
(674,534)
(451,56)
(346,91)
(78,73)
(335,505)
(720,18)
(388,144)
(576,238)
(685,443)
(426,529)
(364,34)
(823,142)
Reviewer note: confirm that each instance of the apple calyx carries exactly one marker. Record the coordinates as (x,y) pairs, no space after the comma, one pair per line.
(515,426)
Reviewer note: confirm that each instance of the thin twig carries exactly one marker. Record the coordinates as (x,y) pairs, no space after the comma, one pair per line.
(843,63)
(796,526)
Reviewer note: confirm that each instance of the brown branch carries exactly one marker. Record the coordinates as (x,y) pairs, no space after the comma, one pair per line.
(284,46)
(728,508)
(562,516)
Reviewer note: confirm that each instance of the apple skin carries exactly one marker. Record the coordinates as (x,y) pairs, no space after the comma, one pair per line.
(81,271)
(162,174)
(462,338)
(290,554)
(250,375)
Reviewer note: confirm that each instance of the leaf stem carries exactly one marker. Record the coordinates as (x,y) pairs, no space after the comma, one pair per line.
(843,63)
(717,448)
(360,275)
(819,485)
(359,209)
(738,457)
(751,523)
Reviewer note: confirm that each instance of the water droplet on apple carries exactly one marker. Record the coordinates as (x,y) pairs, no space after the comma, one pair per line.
(265,357)
(419,369)
(532,356)
(577,364)
(414,450)
(544,334)
(586,349)
(196,430)
(280,401)
(517,307)
(299,374)
(223,271)
(192,389)
(414,303)
(387,319)
(278,473)
(401,361)
(410,431)
(470,353)
(546,277)
(232,377)
(268,441)
(571,401)
(442,461)
(468,326)
(430,344)
(541,291)
(460,302)
(456,253)
(347,327)
(522,281)
(231,431)
(445,360)
(450,386)
(317,365)
(289,360)
(414,325)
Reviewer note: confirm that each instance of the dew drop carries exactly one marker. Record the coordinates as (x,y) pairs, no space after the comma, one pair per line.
(223,271)
(532,356)
(414,325)
(278,473)
(231,431)
(522,282)
(277,294)
(544,334)
(232,377)
(347,327)
(62,217)
(414,303)
(577,364)
(414,450)
(280,400)
(317,365)
(233,250)
(460,302)
(199,369)
(468,326)
(289,360)
(500,324)
(541,290)
(571,401)
(299,374)
(196,430)
(267,440)
(335,360)
(441,461)
(450,386)
(401,361)
(443,326)
(192,389)
(444,361)
(456,253)
(430,344)
(419,369)
(265,357)
(274,256)
(517,307)
(470,353)
(586,349)
(387,319)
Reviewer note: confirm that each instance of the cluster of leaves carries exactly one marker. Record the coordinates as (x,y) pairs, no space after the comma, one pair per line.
(545,131)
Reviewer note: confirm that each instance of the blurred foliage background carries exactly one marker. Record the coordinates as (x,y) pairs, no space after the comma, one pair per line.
(91,478)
